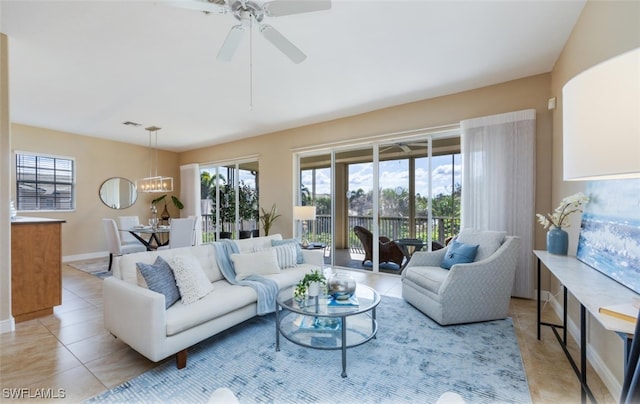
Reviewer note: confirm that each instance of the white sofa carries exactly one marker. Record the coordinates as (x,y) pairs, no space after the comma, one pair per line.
(468,292)
(137,315)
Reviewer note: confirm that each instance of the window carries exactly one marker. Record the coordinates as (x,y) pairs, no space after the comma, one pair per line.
(45,182)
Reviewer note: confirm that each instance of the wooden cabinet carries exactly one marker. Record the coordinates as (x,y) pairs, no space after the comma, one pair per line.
(36,267)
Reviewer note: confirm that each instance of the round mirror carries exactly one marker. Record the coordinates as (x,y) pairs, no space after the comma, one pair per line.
(118,193)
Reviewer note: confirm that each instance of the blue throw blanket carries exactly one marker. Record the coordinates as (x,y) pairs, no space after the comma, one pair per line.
(266,289)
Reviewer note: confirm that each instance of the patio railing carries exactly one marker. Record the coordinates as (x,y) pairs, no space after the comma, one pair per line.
(392,227)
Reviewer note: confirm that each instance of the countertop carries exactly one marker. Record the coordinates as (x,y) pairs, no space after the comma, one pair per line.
(32,220)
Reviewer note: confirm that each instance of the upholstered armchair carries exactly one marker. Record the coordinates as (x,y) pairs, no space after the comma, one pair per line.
(389,251)
(467,292)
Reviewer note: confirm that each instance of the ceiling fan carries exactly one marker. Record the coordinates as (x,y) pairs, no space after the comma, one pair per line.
(248,11)
(404,147)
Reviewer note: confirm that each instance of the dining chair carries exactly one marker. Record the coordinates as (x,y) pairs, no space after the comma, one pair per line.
(181,233)
(116,247)
(127,222)
(197,220)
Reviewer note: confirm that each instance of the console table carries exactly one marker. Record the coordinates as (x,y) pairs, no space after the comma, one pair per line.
(592,289)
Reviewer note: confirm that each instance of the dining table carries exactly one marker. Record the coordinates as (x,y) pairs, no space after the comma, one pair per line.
(155,235)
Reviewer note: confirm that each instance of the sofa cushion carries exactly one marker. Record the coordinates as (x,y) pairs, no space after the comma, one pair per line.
(255,263)
(430,278)
(190,278)
(459,253)
(159,278)
(299,256)
(224,299)
(488,241)
(289,277)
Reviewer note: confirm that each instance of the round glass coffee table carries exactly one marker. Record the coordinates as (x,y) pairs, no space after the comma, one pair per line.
(324,323)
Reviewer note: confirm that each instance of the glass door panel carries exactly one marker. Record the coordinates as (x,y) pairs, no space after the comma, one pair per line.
(354,207)
(248,200)
(316,183)
(446,188)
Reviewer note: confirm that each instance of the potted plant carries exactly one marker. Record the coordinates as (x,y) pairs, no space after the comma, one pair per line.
(310,285)
(248,207)
(165,213)
(227,210)
(267,218)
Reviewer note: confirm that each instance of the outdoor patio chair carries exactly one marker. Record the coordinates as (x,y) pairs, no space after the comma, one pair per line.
(389,251)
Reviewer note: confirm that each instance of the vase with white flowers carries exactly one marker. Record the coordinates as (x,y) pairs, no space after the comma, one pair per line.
(557,238)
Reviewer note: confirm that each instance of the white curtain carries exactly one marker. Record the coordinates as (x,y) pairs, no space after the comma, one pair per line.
(498,177)
(190,195)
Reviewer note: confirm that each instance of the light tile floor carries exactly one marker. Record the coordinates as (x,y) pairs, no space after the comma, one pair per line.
(69,354)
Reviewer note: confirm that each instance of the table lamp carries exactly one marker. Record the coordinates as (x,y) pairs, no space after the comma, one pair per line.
(601,121)
(601,140)
(304,213)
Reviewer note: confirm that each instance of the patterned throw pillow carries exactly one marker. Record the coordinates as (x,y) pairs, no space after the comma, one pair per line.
(299,256)
(459,253)
(286,255)
(159,278)
(190,278)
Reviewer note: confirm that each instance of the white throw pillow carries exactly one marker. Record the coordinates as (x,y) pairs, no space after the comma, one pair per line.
(287,255)
(257,263)
(190,278)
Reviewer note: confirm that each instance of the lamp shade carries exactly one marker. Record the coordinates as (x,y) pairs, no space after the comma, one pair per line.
(304,212)
(601,120)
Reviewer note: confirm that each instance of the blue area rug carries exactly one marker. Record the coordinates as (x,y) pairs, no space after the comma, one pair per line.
(95,267)
(412,360)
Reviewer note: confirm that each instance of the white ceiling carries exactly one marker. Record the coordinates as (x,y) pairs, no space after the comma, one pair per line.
(86,67)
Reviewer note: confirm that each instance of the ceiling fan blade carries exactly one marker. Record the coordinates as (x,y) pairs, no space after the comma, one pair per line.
(279,8)
(282,43)
(231,43)
(213,6)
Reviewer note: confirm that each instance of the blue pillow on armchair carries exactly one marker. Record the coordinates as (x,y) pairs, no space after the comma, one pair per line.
(459,253)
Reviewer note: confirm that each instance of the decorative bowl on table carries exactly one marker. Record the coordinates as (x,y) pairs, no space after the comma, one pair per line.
(341,286)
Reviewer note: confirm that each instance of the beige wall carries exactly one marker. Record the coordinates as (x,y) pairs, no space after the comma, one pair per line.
(96,160)
(276,156)
(605,29)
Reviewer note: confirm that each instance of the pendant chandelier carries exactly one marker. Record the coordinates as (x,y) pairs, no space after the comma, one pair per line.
(154,182)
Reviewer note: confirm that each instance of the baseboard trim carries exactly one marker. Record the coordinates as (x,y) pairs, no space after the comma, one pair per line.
(88,256)
(7,325)
(603,371)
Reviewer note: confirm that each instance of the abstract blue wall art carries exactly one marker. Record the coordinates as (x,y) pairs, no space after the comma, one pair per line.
(610,231)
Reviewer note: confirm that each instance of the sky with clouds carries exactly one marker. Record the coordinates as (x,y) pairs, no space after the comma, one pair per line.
(395,174)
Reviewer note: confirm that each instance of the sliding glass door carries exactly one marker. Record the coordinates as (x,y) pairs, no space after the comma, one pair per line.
(229,200)
(390,190)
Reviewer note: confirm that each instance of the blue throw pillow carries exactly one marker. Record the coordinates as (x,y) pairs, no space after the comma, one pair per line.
(160,279)
(459,253)
(299,257)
